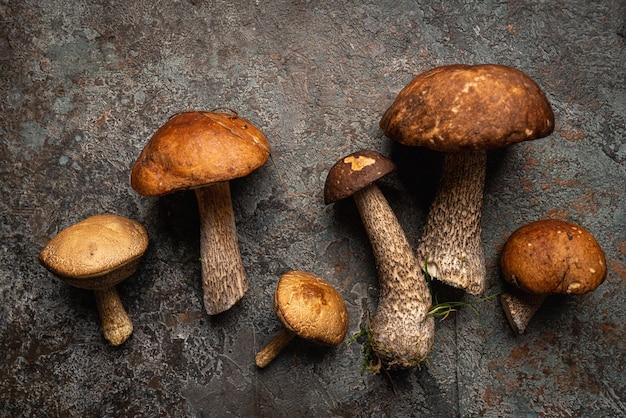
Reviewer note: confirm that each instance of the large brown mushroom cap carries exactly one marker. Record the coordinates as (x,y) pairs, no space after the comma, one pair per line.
(311,308)
(97,252)
(194,149)
(354,172)
(463,107)
(553,256)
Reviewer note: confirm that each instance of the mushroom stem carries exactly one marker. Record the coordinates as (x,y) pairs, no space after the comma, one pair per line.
(274,347)
(224,279)
(451,248)
(116,324)
(402,334)
(520,307)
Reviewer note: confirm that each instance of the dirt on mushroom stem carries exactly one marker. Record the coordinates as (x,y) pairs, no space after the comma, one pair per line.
(402,333)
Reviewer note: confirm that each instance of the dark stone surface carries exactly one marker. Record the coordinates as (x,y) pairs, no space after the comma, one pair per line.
(85,83)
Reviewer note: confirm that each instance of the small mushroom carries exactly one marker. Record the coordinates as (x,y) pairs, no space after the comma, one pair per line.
(464,110)
(401,332)
(547,257)
(203,151)
(96,254)
(310,308)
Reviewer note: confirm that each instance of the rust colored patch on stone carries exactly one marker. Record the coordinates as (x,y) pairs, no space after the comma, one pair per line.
(557,213)
(586,203)
(619,269)
(492,397)
(520,351)
(572,134)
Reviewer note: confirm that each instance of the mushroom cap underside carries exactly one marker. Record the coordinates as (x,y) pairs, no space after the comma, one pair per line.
(462,107)
(87,253)
(197,148)
(310,307)
(354,172)
(553,256)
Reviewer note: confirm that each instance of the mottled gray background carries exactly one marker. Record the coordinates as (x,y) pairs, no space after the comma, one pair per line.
(85,83)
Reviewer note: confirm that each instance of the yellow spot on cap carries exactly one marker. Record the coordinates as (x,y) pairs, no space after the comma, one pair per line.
(358,163)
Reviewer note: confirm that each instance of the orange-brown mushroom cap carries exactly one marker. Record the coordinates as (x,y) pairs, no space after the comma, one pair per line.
(194,149)
(354,172)
(97,252)
(462,107)
(311,308)
(553,256)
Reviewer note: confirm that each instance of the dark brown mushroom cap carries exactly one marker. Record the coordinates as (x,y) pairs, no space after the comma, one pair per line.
(553,256)
(97,252)
(195,149)
(354,172)
(310,307)
(463,107)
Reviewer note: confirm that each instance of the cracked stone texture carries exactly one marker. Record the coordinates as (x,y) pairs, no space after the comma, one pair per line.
(84,85)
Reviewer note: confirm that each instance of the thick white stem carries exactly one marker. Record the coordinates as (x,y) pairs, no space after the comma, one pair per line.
(402,334)
(224,279)
(451,248)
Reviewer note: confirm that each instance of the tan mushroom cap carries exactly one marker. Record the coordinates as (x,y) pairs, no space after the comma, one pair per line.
(553,256)
(463,107)
(354,172)
(97,252)
(311,308)
(195,149)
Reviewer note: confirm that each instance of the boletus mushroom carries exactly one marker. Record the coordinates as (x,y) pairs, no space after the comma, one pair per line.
(464,110)
(203,151)
(308,307)
(96,254)
(402,333)
(548,257)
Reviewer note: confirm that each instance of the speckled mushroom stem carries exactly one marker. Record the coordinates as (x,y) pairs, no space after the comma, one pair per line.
(224,279)
(520,307)
(451,249)
(116,324)
(402,333)
(274,347)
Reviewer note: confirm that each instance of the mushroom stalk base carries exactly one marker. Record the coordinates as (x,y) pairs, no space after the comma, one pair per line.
(451,249)
(402,333)
(520,307)
(224,279)
(116,324)
(271,350)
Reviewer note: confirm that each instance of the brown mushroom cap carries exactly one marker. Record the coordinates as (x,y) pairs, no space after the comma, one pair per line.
(96,253)
(194,149)
(553,256)
(463,107)
(311,308)
(354,172)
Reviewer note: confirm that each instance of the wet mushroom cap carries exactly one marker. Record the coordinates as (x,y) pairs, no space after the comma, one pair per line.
(553,256)
(462,107)
(311,308)
(195,149)
(97,252)
(353,173)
